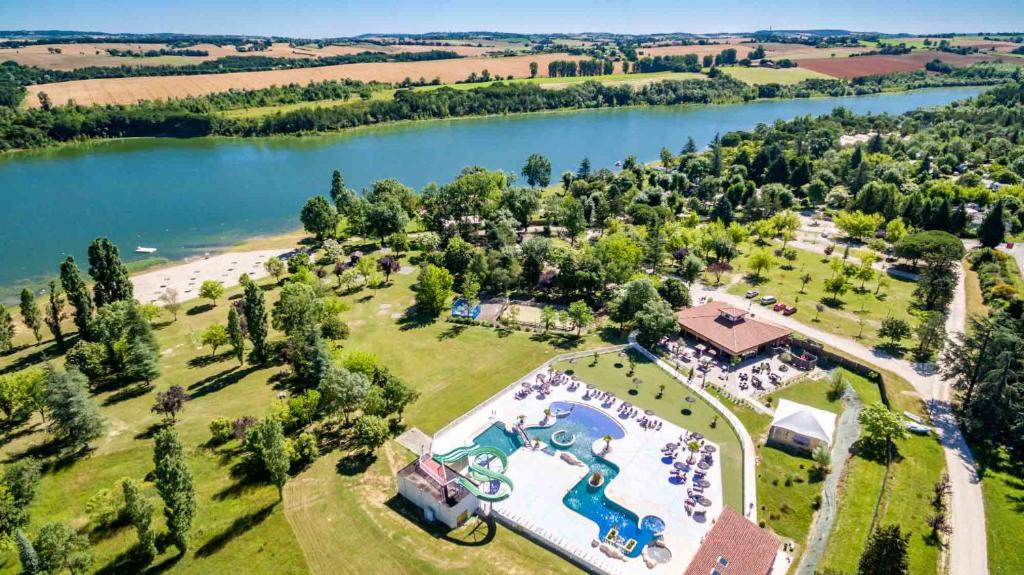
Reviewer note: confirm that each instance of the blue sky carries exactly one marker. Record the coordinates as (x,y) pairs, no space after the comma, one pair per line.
(322,18)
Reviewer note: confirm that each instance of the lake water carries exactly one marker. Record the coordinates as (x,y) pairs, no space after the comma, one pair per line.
(190,196)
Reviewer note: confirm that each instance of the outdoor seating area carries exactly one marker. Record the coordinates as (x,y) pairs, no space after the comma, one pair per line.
(690,459)
(750,378)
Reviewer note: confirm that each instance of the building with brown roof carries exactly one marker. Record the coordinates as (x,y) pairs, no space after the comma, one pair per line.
(735,546)
(730,330)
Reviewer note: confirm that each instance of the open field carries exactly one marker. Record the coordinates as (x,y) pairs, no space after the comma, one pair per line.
(83,55)
(1003,488)
(773,50)
(842,316)
(970,41)
(883,64)
(131,90)
(773,75)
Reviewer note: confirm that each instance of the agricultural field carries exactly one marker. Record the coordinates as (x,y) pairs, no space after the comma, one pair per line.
(887,64)
(132,90)
(755,75)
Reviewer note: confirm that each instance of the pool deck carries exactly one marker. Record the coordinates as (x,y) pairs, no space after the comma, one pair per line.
(542,480)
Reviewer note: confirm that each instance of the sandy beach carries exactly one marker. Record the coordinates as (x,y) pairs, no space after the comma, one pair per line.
(186,277)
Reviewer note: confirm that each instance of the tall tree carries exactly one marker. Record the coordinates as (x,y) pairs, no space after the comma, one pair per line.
(319,217)
(30,563)
(266,439)
(55,312)
(61,549)
(74,416)
(537,171)
(78,294)
(138,509)
(433,288)
(342,391)
(6,329)
(110,274)
(991,232)
(236,336)
(175,485)
(255,310)
(30,313)
(886,552)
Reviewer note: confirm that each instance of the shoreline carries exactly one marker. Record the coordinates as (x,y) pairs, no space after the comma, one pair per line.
(355,130)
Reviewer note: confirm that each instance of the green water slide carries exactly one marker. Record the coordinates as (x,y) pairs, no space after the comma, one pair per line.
(480,473)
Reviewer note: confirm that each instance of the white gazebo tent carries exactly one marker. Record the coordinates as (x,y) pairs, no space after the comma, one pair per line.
(800,426)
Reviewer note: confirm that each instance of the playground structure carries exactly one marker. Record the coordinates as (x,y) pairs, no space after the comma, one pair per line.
(478,459)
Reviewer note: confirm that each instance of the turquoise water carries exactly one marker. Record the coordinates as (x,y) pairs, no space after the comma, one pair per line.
(588,425)
(189,196)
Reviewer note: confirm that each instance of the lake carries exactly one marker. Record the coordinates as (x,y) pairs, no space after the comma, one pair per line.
(191,196)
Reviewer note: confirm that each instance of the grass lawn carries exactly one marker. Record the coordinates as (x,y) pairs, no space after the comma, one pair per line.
(340,512)
(610,375)
(842,316)
(260,111)
(754,75)
(1003,488)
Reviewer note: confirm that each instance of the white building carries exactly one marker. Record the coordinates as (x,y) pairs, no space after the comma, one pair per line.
(801,427)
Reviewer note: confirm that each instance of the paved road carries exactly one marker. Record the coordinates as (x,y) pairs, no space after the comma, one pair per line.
(968,553)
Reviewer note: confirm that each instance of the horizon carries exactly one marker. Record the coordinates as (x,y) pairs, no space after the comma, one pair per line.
(316,19)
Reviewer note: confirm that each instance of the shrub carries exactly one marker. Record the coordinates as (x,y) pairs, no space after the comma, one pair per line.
(104,508)
(220,430)
(305,449)
(334,328)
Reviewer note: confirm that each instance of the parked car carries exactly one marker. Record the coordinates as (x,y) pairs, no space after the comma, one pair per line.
(789,310)
(751,294)
(779,306)
(768,300)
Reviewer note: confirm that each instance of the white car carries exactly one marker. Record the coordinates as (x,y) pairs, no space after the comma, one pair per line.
(768,300)
(751,294)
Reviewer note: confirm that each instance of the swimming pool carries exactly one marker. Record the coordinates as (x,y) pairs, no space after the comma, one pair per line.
(589,425)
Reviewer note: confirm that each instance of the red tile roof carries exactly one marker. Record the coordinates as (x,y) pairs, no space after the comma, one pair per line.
(744,548)
(735,337)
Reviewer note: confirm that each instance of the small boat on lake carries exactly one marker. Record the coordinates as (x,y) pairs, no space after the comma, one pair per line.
(144,250)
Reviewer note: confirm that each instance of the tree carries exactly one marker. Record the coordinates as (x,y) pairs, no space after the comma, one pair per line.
(215,336)
(342,391)
(169,403)
(857,224)
(212,290)
(621,256)
(371,432)
(30,313)
(931,335)
(6,329)
(266,440)
(580,316)
(691,268)
(55,312)
(895,230)
(276,268)
(61,548)
(537,171)
(138,509)
(719,268)
(885,553)
(255,311)
(433,288)
(298,310)
(722,210)
(548,317)
(74,416)
(836,286)
(933,246)
(881,425)
(388,265)
(319,217)
(174,483)
(654,321)
(236,337)
(30,562)
(630,299)
(385,217)
(675,293)
(78,295)
(396,393)
(991,232)
(533,69)
(109,273)
(894,329)
(760,261)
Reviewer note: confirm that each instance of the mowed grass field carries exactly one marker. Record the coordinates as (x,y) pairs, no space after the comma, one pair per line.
(755,75)
(338,516)
(132,90)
